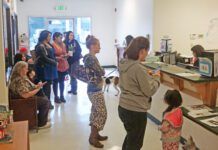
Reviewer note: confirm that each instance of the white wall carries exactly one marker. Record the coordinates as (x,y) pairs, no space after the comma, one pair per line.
(134,17)
(180,18)
(101,12)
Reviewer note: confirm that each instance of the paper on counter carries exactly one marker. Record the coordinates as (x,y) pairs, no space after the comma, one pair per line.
(202,108)
(188,74)
(213,122)
(201,113)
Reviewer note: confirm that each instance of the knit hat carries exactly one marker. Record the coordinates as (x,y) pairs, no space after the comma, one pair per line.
(23,49)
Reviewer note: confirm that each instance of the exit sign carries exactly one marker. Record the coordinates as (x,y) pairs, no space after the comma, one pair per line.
(60,8)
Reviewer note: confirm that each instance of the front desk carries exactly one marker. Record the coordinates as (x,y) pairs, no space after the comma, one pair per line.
(188,81)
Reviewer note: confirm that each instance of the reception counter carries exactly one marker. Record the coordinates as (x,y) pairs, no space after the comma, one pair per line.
(188,81)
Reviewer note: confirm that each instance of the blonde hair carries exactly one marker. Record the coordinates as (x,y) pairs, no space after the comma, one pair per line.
(91,40)
(16,69)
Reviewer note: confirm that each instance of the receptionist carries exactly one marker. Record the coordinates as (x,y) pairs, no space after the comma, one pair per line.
(197,52)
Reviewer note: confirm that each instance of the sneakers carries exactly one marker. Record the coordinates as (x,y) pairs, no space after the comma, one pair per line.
(57,100)
(70,92)
(46,126)
(74,93)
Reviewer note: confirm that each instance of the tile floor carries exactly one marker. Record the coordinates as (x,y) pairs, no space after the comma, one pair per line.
(70,130)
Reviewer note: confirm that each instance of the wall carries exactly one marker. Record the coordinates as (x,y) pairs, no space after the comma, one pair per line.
(179,19)
(134,17)
(101,12)
(3,93)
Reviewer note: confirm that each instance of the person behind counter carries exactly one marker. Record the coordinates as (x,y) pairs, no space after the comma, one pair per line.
(197,52)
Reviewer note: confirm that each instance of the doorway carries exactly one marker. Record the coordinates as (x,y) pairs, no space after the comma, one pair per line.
(81,26)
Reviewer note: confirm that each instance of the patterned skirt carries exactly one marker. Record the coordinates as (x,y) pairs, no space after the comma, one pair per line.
(98,114)
(170,145)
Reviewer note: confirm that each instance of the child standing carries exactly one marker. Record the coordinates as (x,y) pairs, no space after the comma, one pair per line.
(172,121)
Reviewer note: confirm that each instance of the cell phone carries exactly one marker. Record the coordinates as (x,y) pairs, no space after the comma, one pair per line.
(156,70)
(44,83)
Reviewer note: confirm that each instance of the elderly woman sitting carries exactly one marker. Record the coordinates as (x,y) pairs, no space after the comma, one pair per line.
(21,87)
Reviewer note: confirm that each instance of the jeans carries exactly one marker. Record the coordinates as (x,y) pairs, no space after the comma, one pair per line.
(135,125)
(73,83)
(73,80)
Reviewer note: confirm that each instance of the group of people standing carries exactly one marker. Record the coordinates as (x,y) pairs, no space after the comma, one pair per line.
(54,61)
(33,78)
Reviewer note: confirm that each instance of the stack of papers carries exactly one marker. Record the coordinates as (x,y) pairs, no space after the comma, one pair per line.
(198,107)
(187,74)
(197,111)
(201,113)
(213,122)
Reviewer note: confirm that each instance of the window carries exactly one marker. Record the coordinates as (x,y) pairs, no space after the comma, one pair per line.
(81,26)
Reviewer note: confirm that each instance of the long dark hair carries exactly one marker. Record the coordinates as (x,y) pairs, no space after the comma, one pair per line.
(67,37)
(173,98)
(198,49)
(43,36)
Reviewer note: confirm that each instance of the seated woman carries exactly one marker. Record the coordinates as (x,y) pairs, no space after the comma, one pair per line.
(197,52)
(21,87)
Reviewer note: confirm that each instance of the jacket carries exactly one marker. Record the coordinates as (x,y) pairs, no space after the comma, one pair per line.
(45,65)
(76,52)
(136,86)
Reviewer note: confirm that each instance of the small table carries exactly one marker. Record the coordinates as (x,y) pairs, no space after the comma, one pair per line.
(203,88)
(20,137)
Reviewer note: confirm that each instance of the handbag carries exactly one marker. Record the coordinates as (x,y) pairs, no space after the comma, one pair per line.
(84,74)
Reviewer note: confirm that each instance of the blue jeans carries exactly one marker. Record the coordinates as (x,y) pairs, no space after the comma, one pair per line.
(73,80)
(73,83)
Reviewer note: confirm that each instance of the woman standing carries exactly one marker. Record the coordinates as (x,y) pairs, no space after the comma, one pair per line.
(137,87)
(98,114)
(46,65)
(74,50)
(61,56)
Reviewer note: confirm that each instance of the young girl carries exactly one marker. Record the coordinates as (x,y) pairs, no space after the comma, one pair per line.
(172,121)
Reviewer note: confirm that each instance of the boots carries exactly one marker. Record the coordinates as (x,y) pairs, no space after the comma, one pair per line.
(102,138)
(93,139)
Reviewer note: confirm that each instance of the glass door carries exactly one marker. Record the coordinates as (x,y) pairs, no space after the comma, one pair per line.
(81,26)
(60,25)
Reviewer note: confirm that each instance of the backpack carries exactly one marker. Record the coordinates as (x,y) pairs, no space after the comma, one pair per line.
(84,74)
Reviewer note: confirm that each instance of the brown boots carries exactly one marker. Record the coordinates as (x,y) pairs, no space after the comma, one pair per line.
(95,138)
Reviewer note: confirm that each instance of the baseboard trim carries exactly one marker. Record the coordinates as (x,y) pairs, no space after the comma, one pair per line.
(110,66)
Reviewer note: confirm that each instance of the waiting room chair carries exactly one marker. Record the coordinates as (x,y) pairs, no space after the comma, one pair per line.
(24,109)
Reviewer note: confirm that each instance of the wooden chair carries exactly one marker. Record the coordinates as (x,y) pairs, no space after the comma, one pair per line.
(24,109)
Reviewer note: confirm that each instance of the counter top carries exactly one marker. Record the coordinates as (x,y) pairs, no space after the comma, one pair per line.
(174,70)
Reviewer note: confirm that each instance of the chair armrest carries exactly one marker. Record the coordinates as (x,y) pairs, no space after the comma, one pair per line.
(24,109)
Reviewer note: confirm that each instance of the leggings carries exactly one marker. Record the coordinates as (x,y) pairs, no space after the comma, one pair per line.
(60,80)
